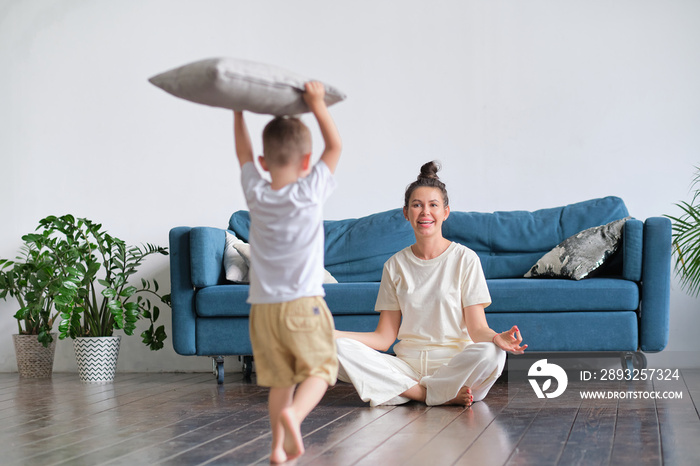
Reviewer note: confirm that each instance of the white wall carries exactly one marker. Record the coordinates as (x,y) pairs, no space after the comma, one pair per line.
(527,104)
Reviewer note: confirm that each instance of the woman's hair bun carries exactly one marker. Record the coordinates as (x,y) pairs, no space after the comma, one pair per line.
(427,178)
(429,171)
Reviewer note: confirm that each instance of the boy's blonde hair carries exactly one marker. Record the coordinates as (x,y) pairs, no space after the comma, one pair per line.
(285,139)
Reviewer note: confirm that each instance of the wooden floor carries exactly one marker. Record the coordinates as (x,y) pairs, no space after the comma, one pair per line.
(187,419)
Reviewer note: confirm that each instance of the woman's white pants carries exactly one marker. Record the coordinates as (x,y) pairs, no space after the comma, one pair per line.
(380,378)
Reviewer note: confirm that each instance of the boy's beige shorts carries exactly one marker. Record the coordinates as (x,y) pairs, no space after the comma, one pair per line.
(293,341)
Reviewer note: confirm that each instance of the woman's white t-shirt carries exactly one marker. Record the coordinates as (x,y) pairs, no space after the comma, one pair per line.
(431,295)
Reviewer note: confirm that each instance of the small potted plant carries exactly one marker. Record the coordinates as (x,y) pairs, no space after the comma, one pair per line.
(686,240)
(42,282)
(104,299)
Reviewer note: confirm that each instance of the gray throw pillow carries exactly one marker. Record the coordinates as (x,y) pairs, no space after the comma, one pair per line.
(241,85)
(579,255)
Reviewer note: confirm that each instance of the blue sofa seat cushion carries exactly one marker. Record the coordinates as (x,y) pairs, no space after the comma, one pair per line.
(230,300)
(508,295)
(222,301)
(561,295)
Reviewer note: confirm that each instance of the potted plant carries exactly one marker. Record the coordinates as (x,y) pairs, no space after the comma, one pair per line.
(104,298)
(686,240)
(40,280)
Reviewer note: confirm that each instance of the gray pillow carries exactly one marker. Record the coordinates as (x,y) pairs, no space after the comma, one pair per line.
(579,255)
(241,85)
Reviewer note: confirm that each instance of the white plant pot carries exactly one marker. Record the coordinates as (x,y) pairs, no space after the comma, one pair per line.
(97,358)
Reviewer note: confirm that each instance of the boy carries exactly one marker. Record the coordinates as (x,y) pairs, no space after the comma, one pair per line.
(291,328)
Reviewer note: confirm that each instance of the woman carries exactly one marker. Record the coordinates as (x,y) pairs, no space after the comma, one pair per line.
(432,298)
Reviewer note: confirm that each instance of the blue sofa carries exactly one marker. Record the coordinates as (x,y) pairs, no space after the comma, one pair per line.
(626,310)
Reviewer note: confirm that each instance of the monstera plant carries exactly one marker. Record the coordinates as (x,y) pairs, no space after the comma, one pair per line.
(686,240)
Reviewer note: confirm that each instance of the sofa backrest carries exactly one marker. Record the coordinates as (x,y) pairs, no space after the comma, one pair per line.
(356,248)
(508,243)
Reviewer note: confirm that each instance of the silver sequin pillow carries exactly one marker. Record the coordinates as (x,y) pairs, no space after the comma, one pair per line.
(241,85)
(579,255)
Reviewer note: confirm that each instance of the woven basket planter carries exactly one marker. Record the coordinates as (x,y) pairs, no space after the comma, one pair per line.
(97,358)
(34,361)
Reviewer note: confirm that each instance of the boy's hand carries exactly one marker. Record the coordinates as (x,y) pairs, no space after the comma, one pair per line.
(314,93)
(314,99)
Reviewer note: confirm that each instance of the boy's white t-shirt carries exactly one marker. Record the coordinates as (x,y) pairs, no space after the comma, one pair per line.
(431,295)
(286,235)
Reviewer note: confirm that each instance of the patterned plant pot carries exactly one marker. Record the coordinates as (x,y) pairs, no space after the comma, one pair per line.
(34,361)
(97,358)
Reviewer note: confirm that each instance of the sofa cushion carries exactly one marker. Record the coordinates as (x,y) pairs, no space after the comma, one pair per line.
(356,248)
(509,243)
(580,255)
(557,295)
(230,300)
(239,223)
(222,301)
(351,298)
(508,295)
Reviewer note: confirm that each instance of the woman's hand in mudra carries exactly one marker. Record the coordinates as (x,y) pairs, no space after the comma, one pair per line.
(510,340)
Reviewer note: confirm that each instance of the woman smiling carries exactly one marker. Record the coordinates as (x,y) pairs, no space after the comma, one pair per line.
(432,298)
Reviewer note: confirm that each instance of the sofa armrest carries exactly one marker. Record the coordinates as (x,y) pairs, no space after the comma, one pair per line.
(656,285)
(632,250)
(182,292)
(207,246)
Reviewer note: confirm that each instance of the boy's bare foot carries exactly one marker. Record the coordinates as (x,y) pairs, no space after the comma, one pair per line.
(464,398)
(293,442)
(278,456)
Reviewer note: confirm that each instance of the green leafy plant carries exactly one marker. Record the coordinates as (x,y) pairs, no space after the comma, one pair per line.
(104,299)
(686,240)
(43,282)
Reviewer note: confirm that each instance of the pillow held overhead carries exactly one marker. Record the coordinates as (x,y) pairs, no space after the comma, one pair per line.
(238,84)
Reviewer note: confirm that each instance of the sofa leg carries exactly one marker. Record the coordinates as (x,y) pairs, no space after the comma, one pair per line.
(633,360)
(218,366)
(247,366)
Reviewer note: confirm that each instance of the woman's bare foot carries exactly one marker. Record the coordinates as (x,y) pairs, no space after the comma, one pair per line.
(293,442)
(464,398)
